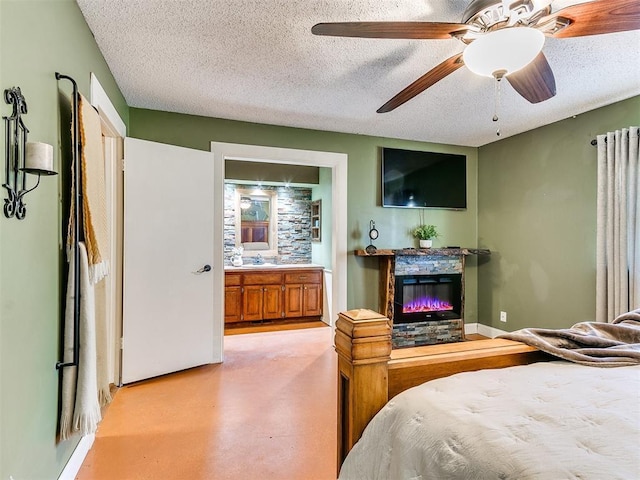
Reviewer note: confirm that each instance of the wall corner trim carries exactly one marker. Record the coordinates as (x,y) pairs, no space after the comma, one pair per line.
(102,102)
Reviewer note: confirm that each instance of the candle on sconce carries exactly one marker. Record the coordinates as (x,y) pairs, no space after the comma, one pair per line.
(39,158)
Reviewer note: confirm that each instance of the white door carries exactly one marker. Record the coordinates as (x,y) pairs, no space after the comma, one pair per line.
(168,317)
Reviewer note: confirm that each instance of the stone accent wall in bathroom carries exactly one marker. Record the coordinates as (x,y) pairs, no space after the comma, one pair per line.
(294,223)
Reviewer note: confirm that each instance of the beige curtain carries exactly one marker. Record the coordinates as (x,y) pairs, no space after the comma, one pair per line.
(618,225)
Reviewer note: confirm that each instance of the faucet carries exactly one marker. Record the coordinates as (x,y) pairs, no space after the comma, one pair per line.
(258,260)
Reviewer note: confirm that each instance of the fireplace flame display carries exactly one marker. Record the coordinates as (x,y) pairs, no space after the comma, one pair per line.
(425,297)
(426,304)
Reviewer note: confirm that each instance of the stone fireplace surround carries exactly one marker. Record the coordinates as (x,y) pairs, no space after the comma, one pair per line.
(424,261)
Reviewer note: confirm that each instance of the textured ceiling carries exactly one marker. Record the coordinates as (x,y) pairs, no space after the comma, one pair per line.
(257,61)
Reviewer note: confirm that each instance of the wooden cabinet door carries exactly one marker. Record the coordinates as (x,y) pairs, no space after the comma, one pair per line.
(252,303)
(232,304)
(312,300)
(272,301)
(293,300)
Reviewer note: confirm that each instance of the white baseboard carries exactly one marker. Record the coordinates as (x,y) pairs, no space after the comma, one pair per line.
(72,467)
(490,332)
(483,330)
(470,328)
(327,291)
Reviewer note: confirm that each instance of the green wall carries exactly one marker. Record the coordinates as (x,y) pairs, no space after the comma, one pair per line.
(321,251)
(38,38)
(535,211)
(537,214)
(458,227)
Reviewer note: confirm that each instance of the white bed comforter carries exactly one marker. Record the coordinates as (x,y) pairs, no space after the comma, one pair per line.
(552,420)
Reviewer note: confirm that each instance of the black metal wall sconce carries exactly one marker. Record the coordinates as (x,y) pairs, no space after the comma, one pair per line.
(21,157)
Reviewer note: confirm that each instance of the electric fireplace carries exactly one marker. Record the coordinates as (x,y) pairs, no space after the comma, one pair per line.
(420,298)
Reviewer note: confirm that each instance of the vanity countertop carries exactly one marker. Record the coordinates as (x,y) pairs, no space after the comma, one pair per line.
(271,266)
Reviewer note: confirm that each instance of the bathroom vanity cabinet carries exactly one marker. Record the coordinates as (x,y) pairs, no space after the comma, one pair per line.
(232,297)
(272,293)
(303,294)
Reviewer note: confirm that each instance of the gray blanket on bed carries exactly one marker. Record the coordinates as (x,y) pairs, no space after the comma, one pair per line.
(598,344)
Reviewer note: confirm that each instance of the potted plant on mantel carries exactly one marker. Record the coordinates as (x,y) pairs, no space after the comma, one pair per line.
(426,234)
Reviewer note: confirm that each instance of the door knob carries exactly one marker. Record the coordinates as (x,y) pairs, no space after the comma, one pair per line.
(206,268)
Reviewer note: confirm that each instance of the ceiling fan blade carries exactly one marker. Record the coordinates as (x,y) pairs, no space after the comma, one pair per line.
(598,17)
(419,30)
(535,82)
(433,76)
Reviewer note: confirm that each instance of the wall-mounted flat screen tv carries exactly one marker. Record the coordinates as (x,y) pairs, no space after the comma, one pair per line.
(414,179)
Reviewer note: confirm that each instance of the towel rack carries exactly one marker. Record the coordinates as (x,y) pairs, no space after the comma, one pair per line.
(76,227)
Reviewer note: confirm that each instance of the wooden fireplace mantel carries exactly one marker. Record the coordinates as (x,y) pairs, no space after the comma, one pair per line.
(439,252)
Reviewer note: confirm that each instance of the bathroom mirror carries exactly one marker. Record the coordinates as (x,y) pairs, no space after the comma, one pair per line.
(256,213)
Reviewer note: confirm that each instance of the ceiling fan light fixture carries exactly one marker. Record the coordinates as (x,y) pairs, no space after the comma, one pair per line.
(507,49)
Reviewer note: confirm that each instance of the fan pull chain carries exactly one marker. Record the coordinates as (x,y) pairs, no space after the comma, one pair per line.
(496,96)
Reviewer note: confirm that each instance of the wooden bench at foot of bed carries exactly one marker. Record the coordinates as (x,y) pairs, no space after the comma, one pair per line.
(370,372)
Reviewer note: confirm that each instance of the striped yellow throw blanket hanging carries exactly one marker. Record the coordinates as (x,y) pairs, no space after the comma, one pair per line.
(94,206)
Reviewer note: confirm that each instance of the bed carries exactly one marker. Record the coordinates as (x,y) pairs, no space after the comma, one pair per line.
(530,416)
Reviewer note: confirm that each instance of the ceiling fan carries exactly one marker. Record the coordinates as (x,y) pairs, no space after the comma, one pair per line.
(503,38)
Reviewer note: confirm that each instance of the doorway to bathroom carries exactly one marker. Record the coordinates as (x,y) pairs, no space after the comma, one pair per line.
(277,263)
(329,253)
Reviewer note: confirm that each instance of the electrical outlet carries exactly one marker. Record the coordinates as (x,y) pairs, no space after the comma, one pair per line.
(503,317)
